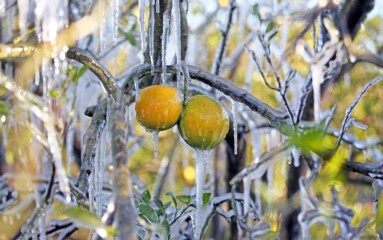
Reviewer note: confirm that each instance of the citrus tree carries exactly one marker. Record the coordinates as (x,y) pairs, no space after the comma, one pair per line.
(264,116)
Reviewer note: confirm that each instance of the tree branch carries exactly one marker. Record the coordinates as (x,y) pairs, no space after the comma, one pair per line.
(86,58)
(276,118)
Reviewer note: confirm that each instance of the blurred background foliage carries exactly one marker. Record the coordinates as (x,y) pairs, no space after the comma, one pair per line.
(23,158)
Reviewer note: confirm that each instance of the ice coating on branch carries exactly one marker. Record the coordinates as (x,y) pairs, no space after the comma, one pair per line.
(246,193)
(103,30)
(141,21)
(201,158)
(23,8)
(235,124)
(115,20)
(155,144)
(99,173)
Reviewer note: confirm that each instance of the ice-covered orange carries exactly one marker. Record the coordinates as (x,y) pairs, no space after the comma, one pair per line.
(203,123)
(158,107)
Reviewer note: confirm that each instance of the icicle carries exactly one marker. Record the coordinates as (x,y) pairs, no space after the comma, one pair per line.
(103,30)
(155,144)
(296,154)
(246,193)
(157,6)
(142,25)
(270,183)
(257,192)
(177,29)
(69,149)
(165,35)
(201,158)
(23,8)
(317,79)
(185,156)
(151,34)
(235,124)
(136,88)
(98,175)
(115,20)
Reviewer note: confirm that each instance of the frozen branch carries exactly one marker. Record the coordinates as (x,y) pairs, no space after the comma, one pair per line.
(276,118)
(125,215)
(91,139)
(86,58)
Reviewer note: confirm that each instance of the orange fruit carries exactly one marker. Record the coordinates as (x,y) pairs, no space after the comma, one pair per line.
(203,123)
(158,107)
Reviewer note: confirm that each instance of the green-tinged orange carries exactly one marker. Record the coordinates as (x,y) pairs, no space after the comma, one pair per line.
(158,107)
(203,123)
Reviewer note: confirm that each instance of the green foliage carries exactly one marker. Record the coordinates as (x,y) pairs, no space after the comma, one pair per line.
(311,140)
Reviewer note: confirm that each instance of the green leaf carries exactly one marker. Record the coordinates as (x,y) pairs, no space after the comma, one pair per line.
(3,108)
(173,198)
(184,198)
(312,140)
(166,205)
(146,196)
(205,198)
(84,218)
(159,203)
(149,213)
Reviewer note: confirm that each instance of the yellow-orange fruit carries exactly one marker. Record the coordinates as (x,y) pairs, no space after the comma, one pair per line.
(158,107)
(203,123)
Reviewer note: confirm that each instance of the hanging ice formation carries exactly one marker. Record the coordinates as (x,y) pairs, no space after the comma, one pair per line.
(201,158)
